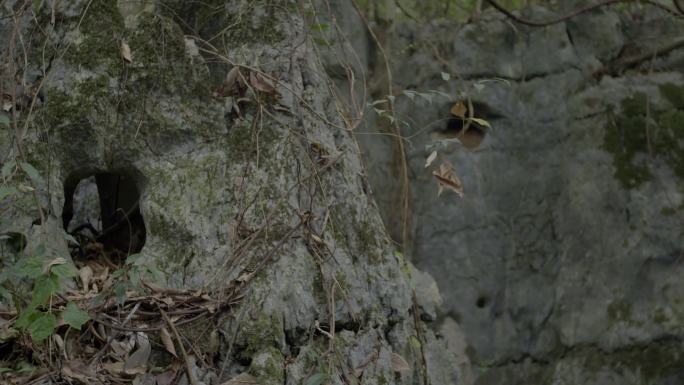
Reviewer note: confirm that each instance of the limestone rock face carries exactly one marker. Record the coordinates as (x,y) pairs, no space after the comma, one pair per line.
(254,180)
(563,262)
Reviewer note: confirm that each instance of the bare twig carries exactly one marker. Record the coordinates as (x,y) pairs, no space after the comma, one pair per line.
(186,358)
(630,62)
(579,11)
(113,336)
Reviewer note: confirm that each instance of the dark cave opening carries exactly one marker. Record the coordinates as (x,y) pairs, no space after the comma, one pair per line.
(471,137)
(470,132)
(104,208)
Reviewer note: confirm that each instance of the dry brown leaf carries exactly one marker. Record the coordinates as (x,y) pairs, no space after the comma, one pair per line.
(430,159)
(191,48)
(144,379)
(123,348)
(154,287)
(78,370)
(54,262)
(231,80)
(58,341)
(126,52)
(102,331)
(317,239)
(399,364)
(165,378)
(446,177)
(168,341)
(244,277)
(86,274)
(459,109)
(242,379)
(261,82)
(114,367)
(137,362)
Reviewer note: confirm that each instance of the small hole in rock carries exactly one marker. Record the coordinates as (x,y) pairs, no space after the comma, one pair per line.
(482,301)
(457,127)
(102,211)
(470,138)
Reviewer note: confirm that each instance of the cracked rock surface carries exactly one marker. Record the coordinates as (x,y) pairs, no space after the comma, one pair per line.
(563,262)
(271,196)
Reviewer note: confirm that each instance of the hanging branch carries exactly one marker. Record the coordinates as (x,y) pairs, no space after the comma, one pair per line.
(622,64)
(534,23)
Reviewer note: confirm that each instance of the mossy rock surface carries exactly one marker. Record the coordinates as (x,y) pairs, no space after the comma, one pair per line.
(641,132)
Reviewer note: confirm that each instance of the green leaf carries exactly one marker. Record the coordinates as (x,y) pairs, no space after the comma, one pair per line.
(118,273)
(25,368)
(323,42)
(4,293)
(399,256)
(411,94)
(36,5)
(7,168)
(4,120)
(32,173)
(31,268)
(481,122)
(317,379)
(42,327)
(6,370)
(98,300)
(43,289)
(7,191)
(415,342)
(26,318)
(157,275)
(319,26)
(379,111)
(134,259)
(440,93)
(69,238)
(120,293)
(66,270)
(135,275)
(446,76)
(74,316)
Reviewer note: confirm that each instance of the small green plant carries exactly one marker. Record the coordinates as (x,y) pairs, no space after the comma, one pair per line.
(130,276)
(321,375)
(49,276)
(36,281)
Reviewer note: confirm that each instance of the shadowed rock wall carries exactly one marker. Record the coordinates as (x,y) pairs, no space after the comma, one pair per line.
(563,262)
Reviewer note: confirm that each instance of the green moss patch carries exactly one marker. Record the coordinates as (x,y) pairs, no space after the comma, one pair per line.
(269,368)
(643,132)
(262,334)
(619,310)
(102,28)
(655,361)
